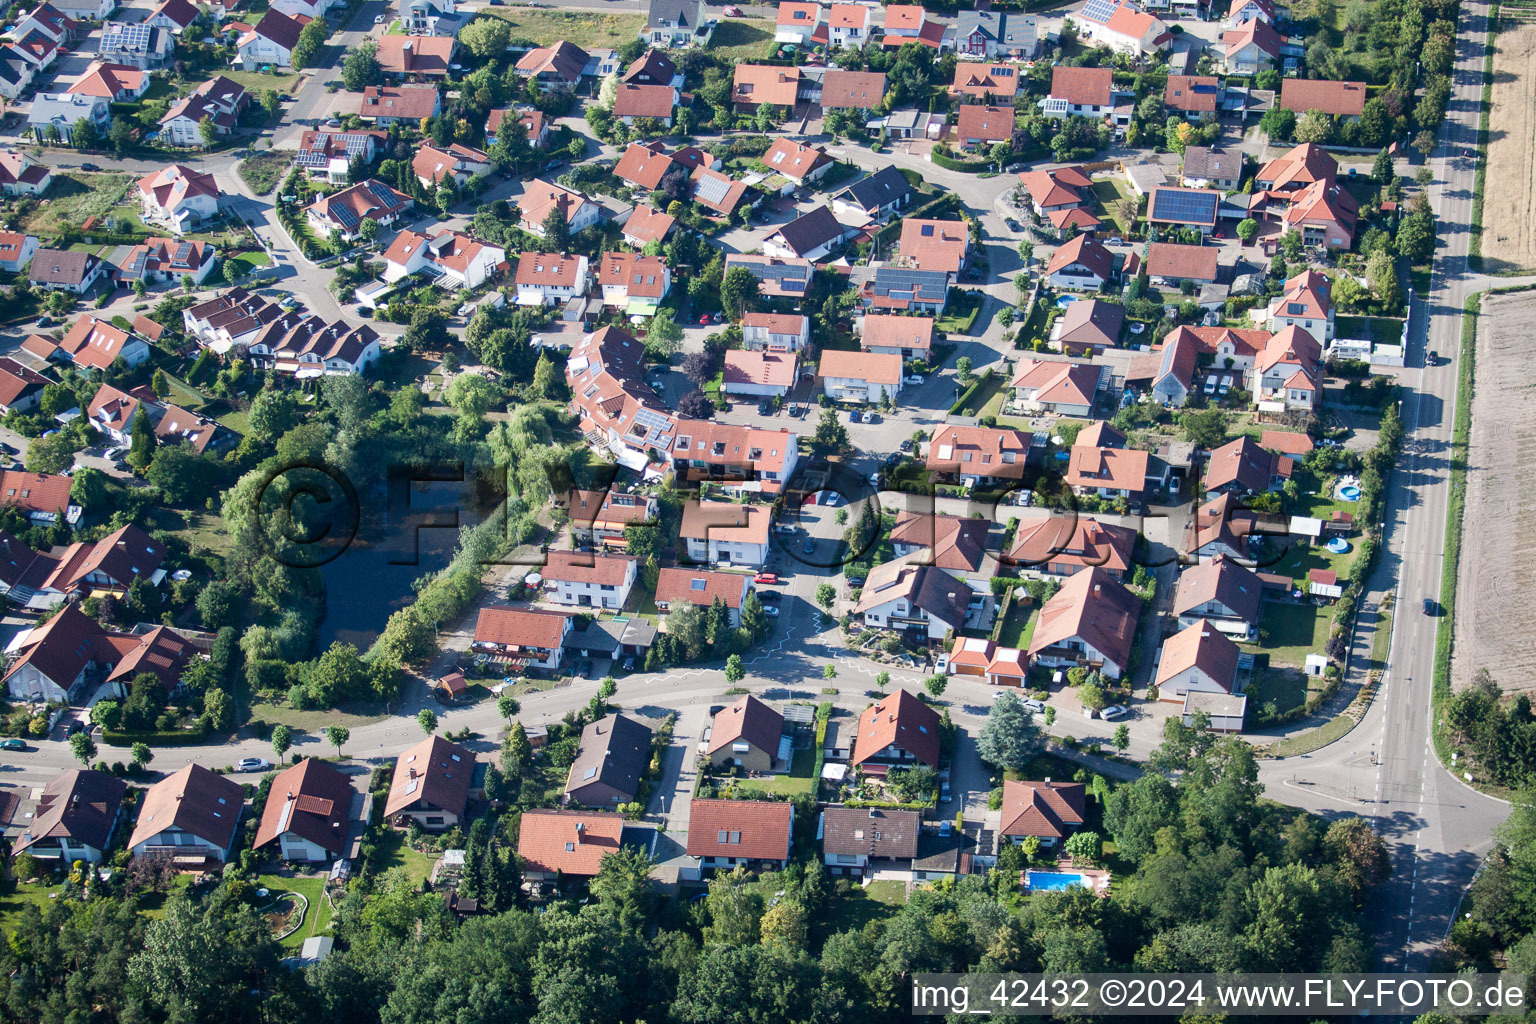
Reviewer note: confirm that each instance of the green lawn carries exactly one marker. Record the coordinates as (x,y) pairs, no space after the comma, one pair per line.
(38,894)
(1019,627)
(585,30)
(796,782)
(1287,688)
(317,918)
(349,716)
(861,906)
(258,82)
(960,315)
(741,39)
(251,260)
(1382,330)
(1294,631)
(989,393)
(1110,191)
(1300,559)
(398,855)
(239,421)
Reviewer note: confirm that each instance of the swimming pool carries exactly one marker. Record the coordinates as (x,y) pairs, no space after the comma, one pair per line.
(1055,879)
(1063,301)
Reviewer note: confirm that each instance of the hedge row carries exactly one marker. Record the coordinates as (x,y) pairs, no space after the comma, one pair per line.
(169,738)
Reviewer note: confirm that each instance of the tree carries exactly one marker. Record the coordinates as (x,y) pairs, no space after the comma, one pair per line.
(369,229)
(1425,143)
(1381,168)
(734,673)
(1084,847)
(936,684)
(89,489)
(555,231)
(361,68)
(1358,854)
(84,135)
(271,101)
(825,594)
(831,437)
(1010,737)
(963,370)
(208,130)
(1314,126)
(911,784)
(623,884)
(695,405)
(142,755)
(1416,236)
(739,290)
(121,136)
(282,742)
(507,705)
(1278,123)
(141,446)
(1247,230)
(753,619)
(336,736)
(1122,738)
(1381,274)
(83,747)
(485,37)
(665,335)
(470,394)
(311,39)
(1205,427)
(427,719)
(1091,696)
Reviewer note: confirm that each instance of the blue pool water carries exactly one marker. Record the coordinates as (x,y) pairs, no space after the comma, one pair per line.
(1065,300)
(1055,879)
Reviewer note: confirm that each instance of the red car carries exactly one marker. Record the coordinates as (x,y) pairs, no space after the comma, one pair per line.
(703,318)
(766,578)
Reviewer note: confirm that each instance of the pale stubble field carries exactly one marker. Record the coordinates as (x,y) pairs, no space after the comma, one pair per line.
(1509,195)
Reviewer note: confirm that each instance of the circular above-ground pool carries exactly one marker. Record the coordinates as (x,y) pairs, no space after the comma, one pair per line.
(1338,545)
(1349,492)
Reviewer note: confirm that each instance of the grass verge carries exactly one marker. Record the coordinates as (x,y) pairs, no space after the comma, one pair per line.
(1313,739)
(1475,243)
(585,30)
(1456,506)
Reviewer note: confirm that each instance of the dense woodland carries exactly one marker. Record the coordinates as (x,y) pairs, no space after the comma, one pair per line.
(1209,876)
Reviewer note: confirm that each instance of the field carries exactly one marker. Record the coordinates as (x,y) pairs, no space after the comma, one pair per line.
(1493,630)
(739,39)
(585,30)
(264,171)
(258,83)
(73,197)
(1509,213)
(1294,631)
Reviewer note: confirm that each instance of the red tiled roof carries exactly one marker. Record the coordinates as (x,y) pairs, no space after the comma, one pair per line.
(1341,99)
(700,587)
(436,771)
(193,800)
(901,719)
(747,719)
(1045,809)
(875,367)
(881,330)
(1191,262)
(744,829)
(521,627)
(573,843)
(1082,86)
(312,800)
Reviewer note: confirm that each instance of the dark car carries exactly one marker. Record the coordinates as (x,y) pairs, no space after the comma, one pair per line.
(810,545)
(1431,606)
(1431,358)
(74,727)
(764,408)
(12,744)
(769,596)
(89,167)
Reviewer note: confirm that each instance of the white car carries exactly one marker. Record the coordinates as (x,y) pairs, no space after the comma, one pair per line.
(914,378)
(771,610)
(378,19)
(874,480)
(1114,711)
(253,764)
(941,667)
(1034,707)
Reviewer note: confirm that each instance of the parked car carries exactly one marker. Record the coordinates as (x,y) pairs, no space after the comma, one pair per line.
(809,545)
(378,19)
(12,744)
(914,378)
(253,764)
(732,12)
(855,581)
(1431,357)
(1035,707)
(1431,606)
(89,167)
(703,318)
(766,578)
(771,610)
(906,445)
(769,597)
(874,480)
(1114,711)
(941,667)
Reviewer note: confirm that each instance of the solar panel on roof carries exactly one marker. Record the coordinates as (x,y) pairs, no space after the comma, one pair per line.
(713,190)
(1189,207)
(1100,10)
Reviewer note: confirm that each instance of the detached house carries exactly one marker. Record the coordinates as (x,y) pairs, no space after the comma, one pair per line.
(1287,373)
(270,42)
(800,164)
(1058,196)
(189,817)
(1221,592)
(725,533)
(346,210)
(854,839)
(308,813)
(1048,811)
(775,332)
(611,758)
(455,259)
(431,785)
(746,735)
(1058,388)
(977,455)
(416,57)
(703,587)
(547,279)
(1337,99)
(866,377)
(1250,48)
(19,176)
(1082,264)
(1198,658)
(954,544)
(1242,467)
(801,23)
(634,283)
(116,83)
(654,102)
(848,25)
(759,374)
(1090,622)
(522,638)
(985,83)
(725,834)
(589,580)
(458,162)
(898,729)
(852,90)
(542,198)
(93,344)
(1059,546)
(600,517)
(1119,25)
(1305,303)
(908,23)
(809,237)
(405,103)
(217,100)
(112,411)
(178,198)
(675,24)
(557,844)
(909,596)
(139,45)
(74,819)
(910,337)
(876,197)
(979,126)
